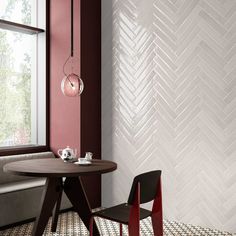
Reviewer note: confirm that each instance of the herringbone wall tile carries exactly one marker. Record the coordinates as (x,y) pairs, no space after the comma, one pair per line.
(169,103)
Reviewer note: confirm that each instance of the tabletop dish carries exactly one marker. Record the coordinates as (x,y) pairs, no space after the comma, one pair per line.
(83,163)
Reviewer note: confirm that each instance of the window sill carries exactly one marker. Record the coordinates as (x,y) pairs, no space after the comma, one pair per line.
(8,25)
(7,151)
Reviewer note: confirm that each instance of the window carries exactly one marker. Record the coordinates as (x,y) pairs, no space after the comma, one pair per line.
(22,74)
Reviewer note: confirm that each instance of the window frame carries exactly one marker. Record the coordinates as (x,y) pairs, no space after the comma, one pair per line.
(9,25)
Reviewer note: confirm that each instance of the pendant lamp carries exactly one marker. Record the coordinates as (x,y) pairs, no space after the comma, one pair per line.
(71,85)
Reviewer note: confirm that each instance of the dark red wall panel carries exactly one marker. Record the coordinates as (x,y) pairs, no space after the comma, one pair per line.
(91,98)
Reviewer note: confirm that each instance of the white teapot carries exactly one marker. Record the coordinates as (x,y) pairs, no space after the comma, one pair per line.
(67,154)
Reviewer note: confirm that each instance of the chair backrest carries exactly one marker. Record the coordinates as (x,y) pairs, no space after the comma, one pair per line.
(148,186)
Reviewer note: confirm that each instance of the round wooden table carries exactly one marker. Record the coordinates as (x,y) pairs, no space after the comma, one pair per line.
(54,170)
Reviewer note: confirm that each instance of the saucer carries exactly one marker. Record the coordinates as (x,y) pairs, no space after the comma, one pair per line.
(83,163)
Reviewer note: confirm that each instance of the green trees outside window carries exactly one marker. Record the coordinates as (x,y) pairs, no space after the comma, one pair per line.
(17,76)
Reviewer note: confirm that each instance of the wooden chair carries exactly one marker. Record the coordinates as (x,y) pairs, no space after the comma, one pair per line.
(145,188)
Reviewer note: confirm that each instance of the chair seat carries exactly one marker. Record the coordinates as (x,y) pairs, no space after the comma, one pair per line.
(120,213)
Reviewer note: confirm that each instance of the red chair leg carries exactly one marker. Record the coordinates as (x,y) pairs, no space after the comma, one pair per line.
(91,226)
(134,217)
(120,229)
(157,219)
(157,225)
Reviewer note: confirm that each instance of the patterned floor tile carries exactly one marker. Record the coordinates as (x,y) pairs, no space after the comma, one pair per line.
(69,224)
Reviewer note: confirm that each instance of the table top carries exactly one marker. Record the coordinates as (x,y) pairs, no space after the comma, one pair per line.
(55,167)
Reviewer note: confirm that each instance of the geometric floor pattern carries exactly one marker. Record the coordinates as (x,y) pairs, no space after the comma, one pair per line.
(69,224)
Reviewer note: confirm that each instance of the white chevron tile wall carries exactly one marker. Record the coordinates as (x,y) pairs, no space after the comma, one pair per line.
(169,103)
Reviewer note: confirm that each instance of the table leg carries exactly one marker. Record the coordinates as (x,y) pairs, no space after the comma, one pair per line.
(56,212)
(74,190)
(50,195)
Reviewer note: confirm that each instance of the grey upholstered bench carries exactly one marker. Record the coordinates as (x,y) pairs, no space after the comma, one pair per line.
(19,195)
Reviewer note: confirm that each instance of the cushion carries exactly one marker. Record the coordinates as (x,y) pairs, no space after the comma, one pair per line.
(7,177)
(22,185)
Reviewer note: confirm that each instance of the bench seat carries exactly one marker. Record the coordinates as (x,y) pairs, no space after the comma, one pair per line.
(20,196)
(22,185)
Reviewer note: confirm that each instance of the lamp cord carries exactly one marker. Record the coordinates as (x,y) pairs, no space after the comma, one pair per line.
(71,38)
(72,29)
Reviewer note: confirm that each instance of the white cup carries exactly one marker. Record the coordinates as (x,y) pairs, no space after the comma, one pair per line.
(82,160)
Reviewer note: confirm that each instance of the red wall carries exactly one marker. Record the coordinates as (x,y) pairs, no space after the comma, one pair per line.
(77,121)
(64,111)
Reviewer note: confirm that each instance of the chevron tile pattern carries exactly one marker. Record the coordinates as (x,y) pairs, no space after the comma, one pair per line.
(169,103)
